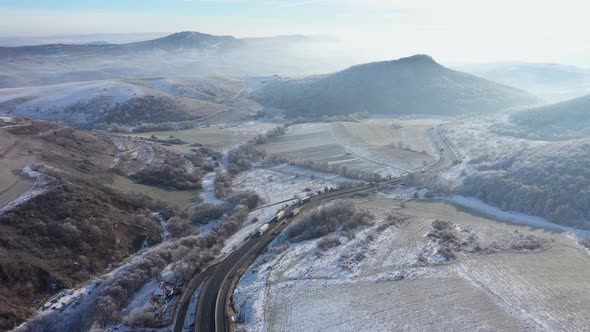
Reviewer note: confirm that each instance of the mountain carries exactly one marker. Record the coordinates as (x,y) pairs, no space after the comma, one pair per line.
(553,82)
(185,53)
(174,42)
(412,85)
(560,121)
(187,40)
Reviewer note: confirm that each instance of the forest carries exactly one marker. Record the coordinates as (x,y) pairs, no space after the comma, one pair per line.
(551,181)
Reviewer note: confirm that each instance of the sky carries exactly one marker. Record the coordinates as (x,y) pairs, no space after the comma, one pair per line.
(454,31)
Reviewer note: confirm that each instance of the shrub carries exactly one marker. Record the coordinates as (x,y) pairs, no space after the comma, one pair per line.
(168,176)
(328,218)
(143,317)
(396,220)
(223,184)
(179,227)
(328,242)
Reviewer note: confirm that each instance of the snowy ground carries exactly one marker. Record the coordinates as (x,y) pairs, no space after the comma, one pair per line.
(283,182)
(471,137)
(42,185)
(208,193)
(276,184)
(370,282)
(68,309)
(50,102)
(513,217)
(384,146)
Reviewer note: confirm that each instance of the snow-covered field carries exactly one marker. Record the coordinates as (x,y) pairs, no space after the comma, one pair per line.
(279,183)
(376,281)
(386,146)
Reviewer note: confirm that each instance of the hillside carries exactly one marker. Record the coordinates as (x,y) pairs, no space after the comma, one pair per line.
(413,85)
(550,180)
(64,221)
(126,102)
(561,121)
(550,81)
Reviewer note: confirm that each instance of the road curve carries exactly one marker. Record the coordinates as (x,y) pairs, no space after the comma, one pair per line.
(217,288)
(215,294)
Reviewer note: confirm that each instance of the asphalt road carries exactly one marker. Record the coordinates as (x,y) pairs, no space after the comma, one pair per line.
(217,288)
(215,294)
(447,155)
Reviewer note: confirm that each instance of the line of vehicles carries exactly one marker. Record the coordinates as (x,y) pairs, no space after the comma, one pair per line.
(282,215)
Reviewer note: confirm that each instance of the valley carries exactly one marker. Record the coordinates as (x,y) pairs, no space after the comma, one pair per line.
(224,189)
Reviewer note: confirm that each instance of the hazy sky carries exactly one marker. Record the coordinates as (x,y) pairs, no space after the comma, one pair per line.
(454,31)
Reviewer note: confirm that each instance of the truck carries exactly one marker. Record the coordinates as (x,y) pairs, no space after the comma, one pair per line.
(293,213)
(262,229)
(304,200)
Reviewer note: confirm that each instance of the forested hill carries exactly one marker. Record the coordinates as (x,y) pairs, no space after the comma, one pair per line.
(566,120)
(551,181)
(413,85)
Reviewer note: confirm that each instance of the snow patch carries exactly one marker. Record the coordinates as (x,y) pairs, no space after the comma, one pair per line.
(513,217)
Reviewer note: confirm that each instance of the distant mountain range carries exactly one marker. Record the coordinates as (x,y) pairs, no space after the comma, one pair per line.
(185,53)
(176,42)
(413,85)
(552,82)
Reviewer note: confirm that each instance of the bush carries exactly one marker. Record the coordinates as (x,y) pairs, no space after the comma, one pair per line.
(337,169)
(223,184)
(179,227)
(169,176)
(328,218)
(447,253)
(396,220)
(528,243)
(328,242)
(444,233)
(435,182)
(202,213)
(143,317)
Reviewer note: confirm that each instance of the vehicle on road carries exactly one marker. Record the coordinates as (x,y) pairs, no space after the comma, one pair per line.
(304,200)
(262,229)
(293,213)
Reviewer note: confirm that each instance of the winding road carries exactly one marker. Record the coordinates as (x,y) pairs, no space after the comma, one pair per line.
(214,309)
